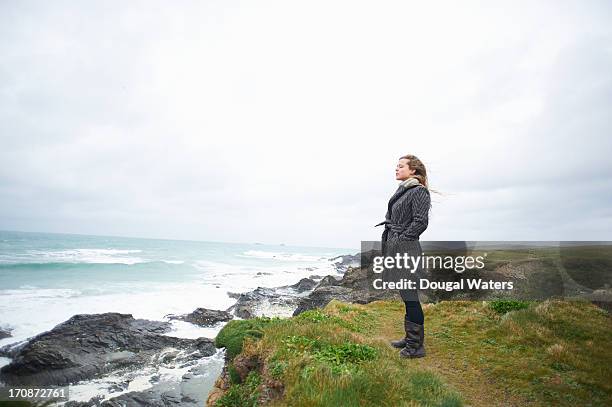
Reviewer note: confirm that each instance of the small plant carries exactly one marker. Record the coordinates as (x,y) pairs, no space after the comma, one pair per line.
(360,319)
(340,358)
(277,368)
(314,315)
(300,344)
(344,308)
(504,306)
(307,372)
(561,367)
(243,395)
(346,353)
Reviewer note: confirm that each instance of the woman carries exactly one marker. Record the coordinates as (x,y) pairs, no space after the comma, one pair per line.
(407,217)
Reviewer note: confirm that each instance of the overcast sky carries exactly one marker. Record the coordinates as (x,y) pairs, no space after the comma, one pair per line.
(282,121)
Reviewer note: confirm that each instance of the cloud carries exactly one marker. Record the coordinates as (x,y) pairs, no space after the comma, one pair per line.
(283,121)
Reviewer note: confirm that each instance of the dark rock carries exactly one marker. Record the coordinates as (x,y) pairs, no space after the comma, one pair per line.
(532,279)
(204,317)
(320,297)
(328,281)
(250,303)
(244,311)
(90,345)
(304,284)
(5,332)
(12,349)
(357,279)
(149,398)
(119,386)
(233,295)
(94,402)
(354,287)
(244,364)
(347,258)
(190,391)
(344,262)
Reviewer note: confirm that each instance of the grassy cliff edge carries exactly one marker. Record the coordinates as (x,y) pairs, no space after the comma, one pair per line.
(479,353)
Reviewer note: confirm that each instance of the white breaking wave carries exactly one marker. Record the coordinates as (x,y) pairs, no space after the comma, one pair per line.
(30,312)
(280,256)
(92,256)
(76,256)
(182,329)
(27,293)
(242,278)
(143,379)
(173,261)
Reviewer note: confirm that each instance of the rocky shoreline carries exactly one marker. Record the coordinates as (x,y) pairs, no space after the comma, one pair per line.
(93,346)
(89,346)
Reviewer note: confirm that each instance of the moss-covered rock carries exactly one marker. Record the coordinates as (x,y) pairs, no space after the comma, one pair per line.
(233,335)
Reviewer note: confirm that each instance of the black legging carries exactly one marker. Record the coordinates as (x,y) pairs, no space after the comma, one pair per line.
(414,312)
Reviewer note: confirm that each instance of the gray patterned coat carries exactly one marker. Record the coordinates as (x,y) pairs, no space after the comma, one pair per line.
(407,213)
(407,217)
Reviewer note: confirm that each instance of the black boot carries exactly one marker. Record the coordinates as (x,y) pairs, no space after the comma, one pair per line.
(415,341)
(401,343)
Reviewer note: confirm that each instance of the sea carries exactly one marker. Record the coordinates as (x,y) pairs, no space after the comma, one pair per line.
(46,278)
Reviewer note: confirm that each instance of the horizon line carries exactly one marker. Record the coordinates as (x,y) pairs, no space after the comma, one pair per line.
(179,240)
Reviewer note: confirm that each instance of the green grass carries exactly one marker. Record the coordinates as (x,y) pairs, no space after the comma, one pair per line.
(504,306)
(498,353)
(245,394)
(545,353)
(332,357)
(234,333)
(338,358)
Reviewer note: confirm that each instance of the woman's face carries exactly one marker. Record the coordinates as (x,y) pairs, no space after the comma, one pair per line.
(403,171)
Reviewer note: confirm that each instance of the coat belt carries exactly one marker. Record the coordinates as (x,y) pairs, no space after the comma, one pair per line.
(393,227)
